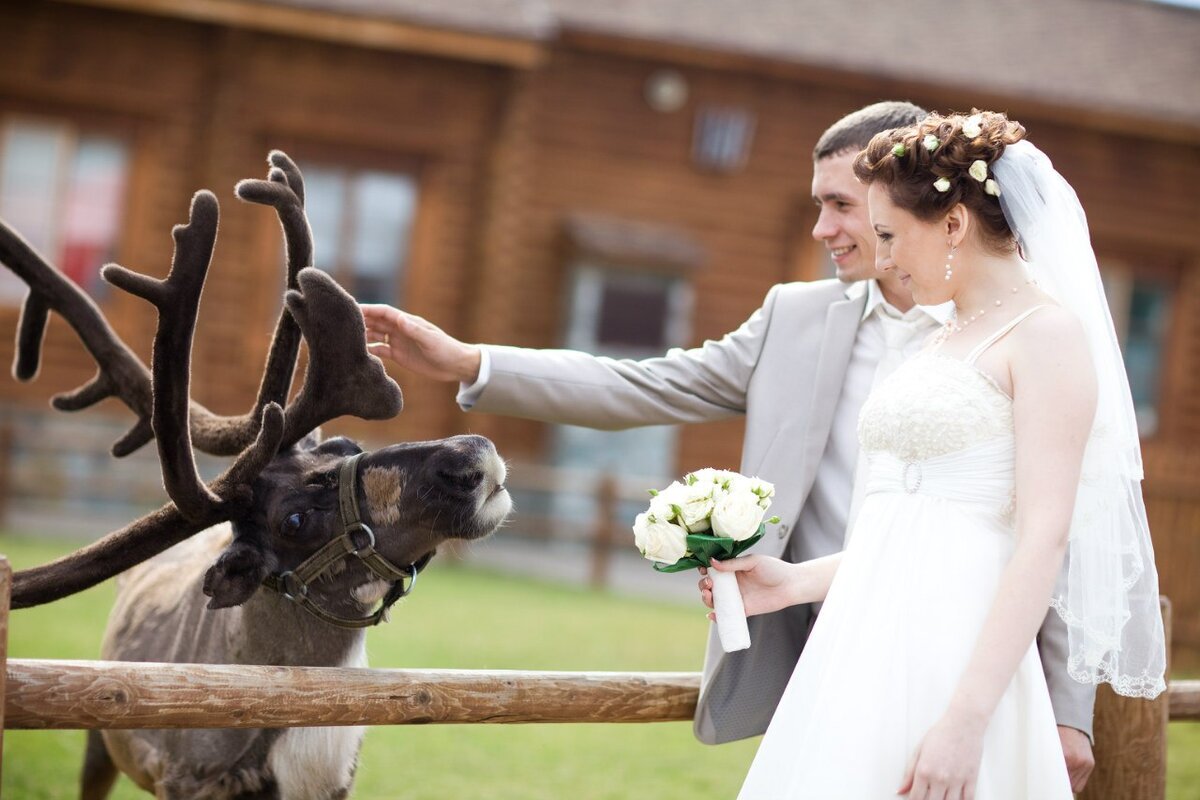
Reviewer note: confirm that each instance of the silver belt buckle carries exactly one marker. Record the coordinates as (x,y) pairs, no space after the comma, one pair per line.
(910,479)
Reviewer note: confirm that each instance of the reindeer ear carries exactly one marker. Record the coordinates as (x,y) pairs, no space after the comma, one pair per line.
(339,446)
(311,441)
(236,575)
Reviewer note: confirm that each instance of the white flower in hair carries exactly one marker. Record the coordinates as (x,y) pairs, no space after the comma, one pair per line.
(992,188)
(931,142)
(942,185)
(973,126)
(978,170)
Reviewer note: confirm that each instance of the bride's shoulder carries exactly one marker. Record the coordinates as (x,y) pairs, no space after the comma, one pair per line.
(1051,345)
(1050,323)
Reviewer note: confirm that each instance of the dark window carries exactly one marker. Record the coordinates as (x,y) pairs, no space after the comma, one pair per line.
(1140,301)
(633,315)
(1145,338)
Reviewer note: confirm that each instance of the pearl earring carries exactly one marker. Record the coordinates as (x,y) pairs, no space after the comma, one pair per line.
(950,262)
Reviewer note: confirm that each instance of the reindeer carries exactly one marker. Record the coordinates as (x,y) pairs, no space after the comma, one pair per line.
(293,545)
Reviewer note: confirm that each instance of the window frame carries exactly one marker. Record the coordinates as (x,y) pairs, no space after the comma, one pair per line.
(1126,266)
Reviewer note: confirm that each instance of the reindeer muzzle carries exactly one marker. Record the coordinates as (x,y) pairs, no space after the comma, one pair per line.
(358,541)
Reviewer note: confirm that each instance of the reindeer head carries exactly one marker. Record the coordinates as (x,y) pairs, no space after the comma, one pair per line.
(293,500)
(339,530)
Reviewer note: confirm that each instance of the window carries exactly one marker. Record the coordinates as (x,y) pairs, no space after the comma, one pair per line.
(623,314)
(361,222)
(626,314)
(722,137)
(63,190)
(1141,310)
(620,313)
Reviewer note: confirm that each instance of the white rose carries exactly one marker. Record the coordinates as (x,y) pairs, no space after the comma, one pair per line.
(719,477)
(763,490)
(978,170)
(942,185)
(737,515)
(663,504)
(931,142)
(696,506)
(973,126)
(992,188)
(659,540)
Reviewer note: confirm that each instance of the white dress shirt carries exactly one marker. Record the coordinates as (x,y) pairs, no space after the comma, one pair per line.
(885,338)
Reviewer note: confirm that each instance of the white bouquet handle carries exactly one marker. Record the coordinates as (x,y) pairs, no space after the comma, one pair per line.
(732,629)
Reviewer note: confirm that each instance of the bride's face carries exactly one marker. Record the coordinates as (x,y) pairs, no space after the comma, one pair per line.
(913,250)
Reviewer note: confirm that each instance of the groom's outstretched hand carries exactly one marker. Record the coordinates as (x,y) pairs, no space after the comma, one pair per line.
(419,345)
(1077,750)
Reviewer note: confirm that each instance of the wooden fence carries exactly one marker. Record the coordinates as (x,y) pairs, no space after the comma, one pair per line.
(605,529)
(41,694)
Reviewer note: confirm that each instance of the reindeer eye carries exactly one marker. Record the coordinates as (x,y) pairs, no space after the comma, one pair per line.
(292,524)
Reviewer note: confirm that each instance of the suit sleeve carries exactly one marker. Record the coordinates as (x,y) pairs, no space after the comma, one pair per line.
(1073,701)
(569,387)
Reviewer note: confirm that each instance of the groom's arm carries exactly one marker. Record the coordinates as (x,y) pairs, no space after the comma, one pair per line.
(1073,701)
(705,383)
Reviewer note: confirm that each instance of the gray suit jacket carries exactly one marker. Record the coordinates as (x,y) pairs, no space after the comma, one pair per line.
(783,369)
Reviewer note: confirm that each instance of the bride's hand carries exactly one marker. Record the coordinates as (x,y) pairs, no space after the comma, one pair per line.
(767,584)
(946,762)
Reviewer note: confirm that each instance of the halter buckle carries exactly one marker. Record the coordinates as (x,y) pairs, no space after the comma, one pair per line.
(292,587)
(360,550)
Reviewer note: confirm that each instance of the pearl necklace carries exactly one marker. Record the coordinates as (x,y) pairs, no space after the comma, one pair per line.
(953,326)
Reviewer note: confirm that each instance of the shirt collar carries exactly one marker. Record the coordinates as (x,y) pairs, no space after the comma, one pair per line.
(939,314)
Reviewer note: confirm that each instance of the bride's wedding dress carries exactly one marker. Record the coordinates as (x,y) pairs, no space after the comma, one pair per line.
(917,580)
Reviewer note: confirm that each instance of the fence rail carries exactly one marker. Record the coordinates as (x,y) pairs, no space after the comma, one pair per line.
(46,694)
(40,694)
(97,694)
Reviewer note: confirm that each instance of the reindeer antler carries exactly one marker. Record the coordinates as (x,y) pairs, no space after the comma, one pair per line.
(121,373)
(342,378)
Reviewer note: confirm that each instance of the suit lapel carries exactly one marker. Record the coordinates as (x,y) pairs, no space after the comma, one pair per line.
(837,344)
(841,330)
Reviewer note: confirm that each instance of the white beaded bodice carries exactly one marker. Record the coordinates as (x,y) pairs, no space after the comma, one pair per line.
(933,405)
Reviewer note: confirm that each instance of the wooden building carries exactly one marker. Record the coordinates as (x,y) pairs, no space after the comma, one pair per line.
(620,177)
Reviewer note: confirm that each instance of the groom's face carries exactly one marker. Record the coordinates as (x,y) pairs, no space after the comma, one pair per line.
(843,222)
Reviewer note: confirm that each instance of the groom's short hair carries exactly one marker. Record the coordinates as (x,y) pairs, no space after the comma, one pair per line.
(853,131)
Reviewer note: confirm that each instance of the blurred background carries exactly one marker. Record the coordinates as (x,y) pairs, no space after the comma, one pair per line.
(621,177)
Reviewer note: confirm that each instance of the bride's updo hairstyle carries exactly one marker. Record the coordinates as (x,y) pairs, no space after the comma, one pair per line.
(931,166)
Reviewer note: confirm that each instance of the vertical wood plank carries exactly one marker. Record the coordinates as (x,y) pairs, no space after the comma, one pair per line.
(1131,742)
(604,534)
(5,602)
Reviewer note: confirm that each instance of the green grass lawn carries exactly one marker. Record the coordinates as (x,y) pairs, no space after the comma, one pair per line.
(472,620)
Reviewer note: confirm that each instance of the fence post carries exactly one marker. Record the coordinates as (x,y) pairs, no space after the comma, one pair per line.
(1131,742)
(603,534)
(5,598)
(6,447)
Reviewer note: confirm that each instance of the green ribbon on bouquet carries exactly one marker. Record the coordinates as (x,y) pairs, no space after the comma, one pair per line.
(703,547)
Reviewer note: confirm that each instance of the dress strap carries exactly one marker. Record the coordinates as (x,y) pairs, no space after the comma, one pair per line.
(979,349)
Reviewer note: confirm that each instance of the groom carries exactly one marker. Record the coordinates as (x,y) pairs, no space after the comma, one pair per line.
(799,370)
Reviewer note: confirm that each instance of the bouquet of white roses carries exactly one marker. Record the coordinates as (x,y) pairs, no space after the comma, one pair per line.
(711,513)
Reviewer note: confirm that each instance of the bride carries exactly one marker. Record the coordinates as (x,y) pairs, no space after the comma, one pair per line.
(1005,446)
